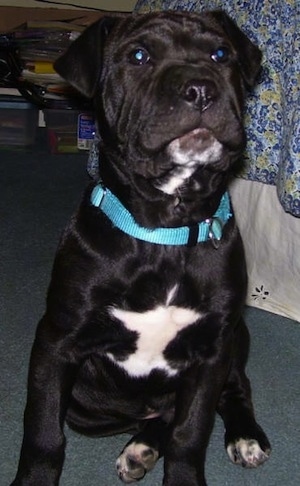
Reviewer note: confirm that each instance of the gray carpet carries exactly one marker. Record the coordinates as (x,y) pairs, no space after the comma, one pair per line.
(38,193)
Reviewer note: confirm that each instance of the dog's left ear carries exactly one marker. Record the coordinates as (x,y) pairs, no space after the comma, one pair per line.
(249,54)
(81,64)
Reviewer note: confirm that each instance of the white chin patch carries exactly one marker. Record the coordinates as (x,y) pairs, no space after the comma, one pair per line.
(198,147)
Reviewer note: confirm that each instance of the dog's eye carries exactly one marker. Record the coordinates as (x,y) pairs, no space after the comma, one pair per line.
(220,55)
(139,56)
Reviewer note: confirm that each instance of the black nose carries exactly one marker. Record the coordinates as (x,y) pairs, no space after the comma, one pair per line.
(200,93)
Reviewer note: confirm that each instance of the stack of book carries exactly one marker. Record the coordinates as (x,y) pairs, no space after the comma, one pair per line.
(27,55)
(37,45)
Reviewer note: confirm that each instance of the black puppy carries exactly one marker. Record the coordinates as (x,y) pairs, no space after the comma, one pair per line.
(143,329)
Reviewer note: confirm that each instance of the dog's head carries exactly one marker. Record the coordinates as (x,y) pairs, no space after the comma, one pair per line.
(168,90)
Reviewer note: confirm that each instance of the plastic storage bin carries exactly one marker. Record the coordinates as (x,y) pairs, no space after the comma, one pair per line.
(69,130)
(18,122)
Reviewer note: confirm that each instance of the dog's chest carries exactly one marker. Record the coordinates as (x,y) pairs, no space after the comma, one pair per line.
(155,329)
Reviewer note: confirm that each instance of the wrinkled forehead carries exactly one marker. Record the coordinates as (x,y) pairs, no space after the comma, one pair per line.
(165,28)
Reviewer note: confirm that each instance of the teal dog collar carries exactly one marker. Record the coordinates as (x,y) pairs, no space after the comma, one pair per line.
(209,229)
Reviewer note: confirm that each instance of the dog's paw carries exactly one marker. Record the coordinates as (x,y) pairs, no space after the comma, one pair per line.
(247,453)
(135,461)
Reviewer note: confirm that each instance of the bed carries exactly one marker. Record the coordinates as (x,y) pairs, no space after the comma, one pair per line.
(266,193)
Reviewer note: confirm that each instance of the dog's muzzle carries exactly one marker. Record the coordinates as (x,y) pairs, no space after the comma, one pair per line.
(199,93)
(194,86)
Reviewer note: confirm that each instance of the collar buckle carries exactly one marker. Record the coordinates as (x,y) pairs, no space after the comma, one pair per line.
(98,194)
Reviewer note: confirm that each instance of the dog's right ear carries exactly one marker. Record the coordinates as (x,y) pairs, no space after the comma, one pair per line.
(81,64)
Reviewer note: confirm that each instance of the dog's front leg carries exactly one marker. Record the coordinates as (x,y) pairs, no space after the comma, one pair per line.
(51,377)
(194,418)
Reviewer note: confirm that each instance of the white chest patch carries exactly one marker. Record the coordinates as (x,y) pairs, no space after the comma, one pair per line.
(155,328)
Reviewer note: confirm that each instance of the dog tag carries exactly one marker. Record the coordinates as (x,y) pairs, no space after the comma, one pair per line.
(215,231)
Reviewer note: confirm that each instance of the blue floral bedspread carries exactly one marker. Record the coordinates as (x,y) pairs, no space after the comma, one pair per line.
(273,108)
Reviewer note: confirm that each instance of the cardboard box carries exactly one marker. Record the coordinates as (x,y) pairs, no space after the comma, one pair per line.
(12,17)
